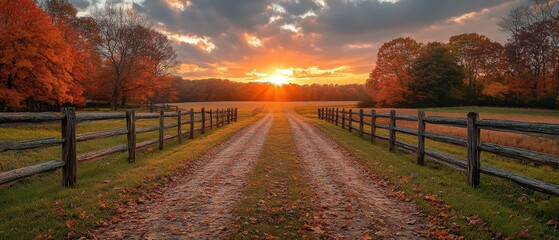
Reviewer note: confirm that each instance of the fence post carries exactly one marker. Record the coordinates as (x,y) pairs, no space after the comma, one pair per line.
(343,118)
(131,127)
(421,137)
(392,132)
(361,122)
(161,128)
(373,123)
(330,114)
(473,149)
(350,119)
(337,115)
(222,117)
(211,120)
(203,128)
(68,127)
(179,125)
(228,115)
(236,114)
(318,113)
(217,117)
(191,123)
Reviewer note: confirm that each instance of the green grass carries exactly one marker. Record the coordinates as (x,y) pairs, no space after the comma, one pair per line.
(504,206)
(275,202)
(40,206)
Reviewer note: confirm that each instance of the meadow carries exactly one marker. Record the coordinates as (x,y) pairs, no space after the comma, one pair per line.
(40,207)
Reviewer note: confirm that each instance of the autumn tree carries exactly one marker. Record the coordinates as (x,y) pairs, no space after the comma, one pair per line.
(437,77)
(136,58)
(390,79)
(483,63)
(532,51)
(36,63)
(82,34)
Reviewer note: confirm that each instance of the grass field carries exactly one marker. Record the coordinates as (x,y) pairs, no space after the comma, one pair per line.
(40,207)
(504,207)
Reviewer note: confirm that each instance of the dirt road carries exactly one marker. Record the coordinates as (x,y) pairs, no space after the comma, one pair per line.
(351,204)
(199,206)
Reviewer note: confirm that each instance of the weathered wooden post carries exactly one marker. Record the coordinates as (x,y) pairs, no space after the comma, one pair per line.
(337,115)
(203,128)
(222,117)
(318,113)
(191,123)
(236,114)
(350,119)
(473,149)
(179,125)
(361,125)
(161,128)
(211,120)
(131,135)
(343,118)
(322,114)
(217,117)
(228,115)
(373,125)
(421,137)
(392,133)
(69,155)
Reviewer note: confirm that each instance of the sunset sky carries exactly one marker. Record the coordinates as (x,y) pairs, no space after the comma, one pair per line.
(304,41)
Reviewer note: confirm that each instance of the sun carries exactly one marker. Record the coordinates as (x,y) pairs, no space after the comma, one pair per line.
(277,79)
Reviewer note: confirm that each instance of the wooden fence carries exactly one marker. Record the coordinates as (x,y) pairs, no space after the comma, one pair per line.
(355,120)
(203,118)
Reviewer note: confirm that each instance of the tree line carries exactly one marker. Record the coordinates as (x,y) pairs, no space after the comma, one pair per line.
(51,56)
(473,69)
(226,90)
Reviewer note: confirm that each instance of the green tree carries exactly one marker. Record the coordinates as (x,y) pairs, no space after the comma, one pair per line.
(437,77)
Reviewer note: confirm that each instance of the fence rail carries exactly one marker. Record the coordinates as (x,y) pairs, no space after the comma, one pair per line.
(70,121)
(471,166)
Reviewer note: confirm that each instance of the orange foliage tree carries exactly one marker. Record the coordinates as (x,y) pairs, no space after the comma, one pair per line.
(36,63)
(390,79)
(483,63)
(82,34)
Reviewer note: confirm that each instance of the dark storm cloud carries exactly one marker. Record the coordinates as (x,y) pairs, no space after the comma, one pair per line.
(353,17)
(207,17)
(83,4)
(80,4)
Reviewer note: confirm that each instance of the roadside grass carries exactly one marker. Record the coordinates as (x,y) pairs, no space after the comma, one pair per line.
(275,202)
(504,207)
(39,207)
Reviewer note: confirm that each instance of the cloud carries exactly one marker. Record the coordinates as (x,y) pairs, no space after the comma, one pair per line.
(226,38)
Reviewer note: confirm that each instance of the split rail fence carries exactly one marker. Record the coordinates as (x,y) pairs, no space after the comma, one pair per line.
(192,121)
(356,120)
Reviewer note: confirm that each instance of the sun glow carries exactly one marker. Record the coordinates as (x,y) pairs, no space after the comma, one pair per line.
(277,79)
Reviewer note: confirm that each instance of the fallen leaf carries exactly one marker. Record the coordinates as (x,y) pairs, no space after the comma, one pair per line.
(366,237)
(522,234)
(102,205)
(168,216)
(71,224)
